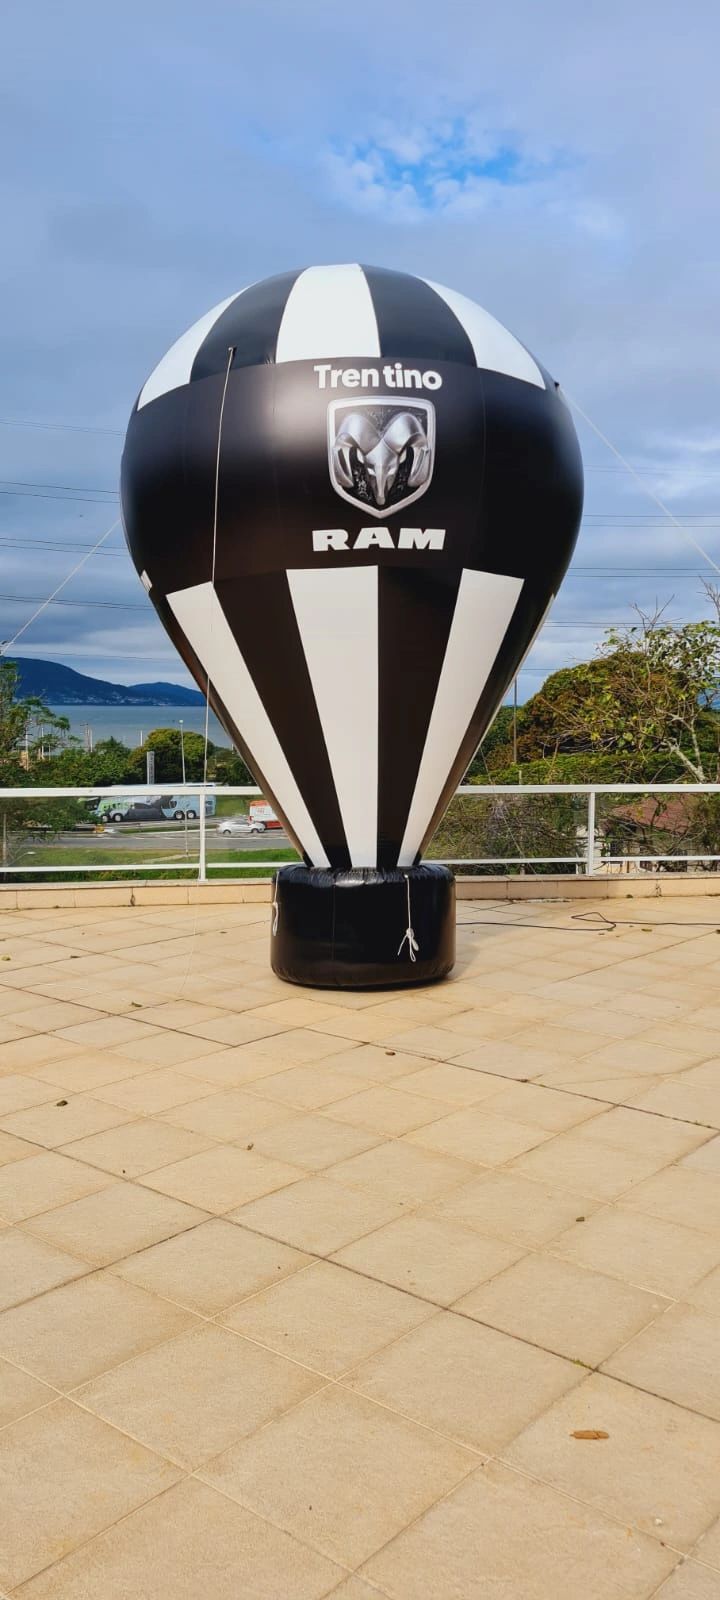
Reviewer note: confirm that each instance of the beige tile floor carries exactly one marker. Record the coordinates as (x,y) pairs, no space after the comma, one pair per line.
(308,1294)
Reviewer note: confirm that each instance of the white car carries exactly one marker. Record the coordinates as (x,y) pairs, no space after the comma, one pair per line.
(240,825)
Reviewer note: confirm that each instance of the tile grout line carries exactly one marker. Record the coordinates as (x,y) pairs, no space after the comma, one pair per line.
(416,1205)
(574,1499)
(431,1058)
(214,1318)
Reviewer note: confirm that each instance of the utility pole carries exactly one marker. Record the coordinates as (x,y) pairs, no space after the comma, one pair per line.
(514,726)
(185,798)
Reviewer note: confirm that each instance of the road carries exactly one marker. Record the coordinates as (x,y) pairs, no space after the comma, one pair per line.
(145,837)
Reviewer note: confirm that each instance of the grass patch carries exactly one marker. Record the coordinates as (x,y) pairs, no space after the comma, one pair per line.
(91,855)
(240,865)
(232,805)
(242,859)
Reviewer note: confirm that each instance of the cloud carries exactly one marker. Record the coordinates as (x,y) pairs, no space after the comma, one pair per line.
(683,470)
(556,163)
(452,168)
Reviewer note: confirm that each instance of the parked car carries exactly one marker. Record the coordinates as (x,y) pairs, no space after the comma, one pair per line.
(260,816)
(240,825)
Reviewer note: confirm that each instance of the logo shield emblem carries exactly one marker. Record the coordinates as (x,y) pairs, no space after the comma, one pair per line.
(381,451)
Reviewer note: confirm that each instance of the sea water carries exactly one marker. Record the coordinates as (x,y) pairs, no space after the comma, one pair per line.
(132,724)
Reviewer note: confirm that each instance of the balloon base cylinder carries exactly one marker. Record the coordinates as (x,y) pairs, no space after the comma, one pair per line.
(363,928)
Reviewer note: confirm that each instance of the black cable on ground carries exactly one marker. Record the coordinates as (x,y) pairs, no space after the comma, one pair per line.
(638,922)
(607,924)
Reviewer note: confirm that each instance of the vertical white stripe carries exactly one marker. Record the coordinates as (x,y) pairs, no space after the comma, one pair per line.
(337,614)
(176,366)
(205,625)
(519,666)
(485,604)
(495,347)
(329,312)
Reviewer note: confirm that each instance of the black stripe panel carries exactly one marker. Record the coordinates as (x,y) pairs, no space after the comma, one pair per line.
(251,324)
(196,668)
(262,618)
(413,322)
(416,609)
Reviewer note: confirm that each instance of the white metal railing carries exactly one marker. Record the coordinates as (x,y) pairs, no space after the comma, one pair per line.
(591,860)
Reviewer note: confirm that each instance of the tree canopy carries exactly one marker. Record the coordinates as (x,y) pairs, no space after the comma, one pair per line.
(29,730)
(644,709)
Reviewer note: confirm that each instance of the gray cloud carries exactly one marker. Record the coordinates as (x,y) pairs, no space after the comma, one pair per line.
(164,155)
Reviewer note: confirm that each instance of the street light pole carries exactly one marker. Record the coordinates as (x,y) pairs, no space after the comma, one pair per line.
(185,799)
(514,722)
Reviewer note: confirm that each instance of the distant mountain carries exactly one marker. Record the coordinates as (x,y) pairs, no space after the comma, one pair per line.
(61,686)
(168,694)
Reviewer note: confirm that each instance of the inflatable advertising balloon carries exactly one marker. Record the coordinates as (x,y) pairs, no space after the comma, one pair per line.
(352,495)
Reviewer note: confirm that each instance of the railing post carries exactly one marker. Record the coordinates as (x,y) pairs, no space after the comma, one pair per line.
(590,852)
(202,873)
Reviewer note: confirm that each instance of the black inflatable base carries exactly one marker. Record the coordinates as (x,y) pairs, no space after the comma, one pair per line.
(352,930)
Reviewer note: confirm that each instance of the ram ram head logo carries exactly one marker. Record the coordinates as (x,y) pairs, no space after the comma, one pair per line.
(381,453)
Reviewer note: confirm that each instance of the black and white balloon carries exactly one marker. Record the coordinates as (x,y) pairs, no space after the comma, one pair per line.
(352,495)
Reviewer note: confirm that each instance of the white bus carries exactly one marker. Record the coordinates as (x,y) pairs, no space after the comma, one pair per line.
(153,808)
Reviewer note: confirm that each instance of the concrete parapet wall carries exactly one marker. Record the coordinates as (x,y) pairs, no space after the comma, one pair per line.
(560,886)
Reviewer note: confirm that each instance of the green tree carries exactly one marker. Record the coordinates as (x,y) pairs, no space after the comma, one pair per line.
(168,749)
(509,827)
(670,678)
(498,737)
(228,767)
(28,729)
(642,710)
(109,763)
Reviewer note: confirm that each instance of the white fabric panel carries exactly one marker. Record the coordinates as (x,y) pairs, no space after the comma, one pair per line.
(337,614)
(329,312)
(495,347)
(485,604)
(204,623)
(520,666)
(175,368)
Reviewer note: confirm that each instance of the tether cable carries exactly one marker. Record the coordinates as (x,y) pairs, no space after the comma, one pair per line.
(8,643)
(643,486)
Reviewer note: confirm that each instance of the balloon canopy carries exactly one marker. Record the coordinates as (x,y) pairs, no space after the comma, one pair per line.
(352,495)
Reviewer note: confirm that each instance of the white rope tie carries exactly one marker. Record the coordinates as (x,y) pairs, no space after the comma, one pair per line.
(409,934)
(275,908)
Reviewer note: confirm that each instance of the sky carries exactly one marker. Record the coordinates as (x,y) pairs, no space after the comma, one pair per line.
(557,163)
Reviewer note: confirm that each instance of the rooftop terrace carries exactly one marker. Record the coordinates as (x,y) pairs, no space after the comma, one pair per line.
(408,1294)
